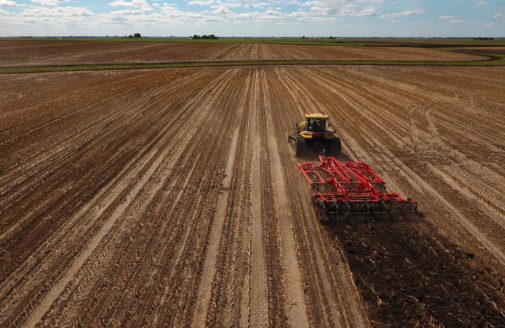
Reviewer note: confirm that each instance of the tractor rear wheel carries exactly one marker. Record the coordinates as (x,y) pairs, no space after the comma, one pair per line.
(334,147)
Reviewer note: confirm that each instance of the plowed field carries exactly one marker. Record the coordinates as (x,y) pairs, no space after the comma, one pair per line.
(171,197)
(37,53)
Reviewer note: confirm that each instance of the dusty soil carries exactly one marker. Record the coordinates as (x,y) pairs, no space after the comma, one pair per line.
(171,197)
(37,53)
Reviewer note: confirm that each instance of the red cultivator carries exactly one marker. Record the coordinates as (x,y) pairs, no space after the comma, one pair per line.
(342,189)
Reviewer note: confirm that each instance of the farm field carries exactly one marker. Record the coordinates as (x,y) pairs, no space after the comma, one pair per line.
(39,53)
(496,50)
(171,197)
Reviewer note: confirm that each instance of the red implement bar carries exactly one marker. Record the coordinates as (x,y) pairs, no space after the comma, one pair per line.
(342,188)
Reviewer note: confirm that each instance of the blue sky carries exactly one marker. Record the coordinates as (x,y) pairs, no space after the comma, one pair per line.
(442,18)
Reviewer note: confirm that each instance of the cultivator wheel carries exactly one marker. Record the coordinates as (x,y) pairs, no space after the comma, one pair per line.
(343,191)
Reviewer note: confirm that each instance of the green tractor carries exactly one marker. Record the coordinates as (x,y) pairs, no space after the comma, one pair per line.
(314,136)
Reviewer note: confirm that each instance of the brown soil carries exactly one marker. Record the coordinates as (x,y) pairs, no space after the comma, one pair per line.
(116,210)
(492,50)
(37,53)
(411,276)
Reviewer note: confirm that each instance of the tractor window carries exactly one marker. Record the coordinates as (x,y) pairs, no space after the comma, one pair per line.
(317,124)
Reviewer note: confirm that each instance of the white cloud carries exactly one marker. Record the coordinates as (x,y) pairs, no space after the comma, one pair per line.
(50,2)
(44,18)
(452,19)
(311,17)
(256,5)
(134,3)
(222,9)
(341,8)
(201,2)
(9,3)
(54,12)
(267,15)
(402,14)
(167,15)
(368,11)
(278,17)
(484,25)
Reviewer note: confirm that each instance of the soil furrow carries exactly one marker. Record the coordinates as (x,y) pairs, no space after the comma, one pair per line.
(172,198)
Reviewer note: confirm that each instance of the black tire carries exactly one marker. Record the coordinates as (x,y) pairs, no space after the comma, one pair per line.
(300,147)
(334,147)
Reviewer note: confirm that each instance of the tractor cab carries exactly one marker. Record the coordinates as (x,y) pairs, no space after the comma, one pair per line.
(314,123)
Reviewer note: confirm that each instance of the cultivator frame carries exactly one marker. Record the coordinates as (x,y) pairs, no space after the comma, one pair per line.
(345,188)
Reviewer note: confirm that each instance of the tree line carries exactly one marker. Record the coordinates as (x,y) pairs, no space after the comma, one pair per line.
(205,37)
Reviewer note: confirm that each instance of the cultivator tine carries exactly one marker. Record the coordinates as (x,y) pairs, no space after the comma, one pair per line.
(345,190)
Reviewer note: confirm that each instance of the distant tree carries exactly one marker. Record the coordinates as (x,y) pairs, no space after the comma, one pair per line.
(130,36)
(206,37)
(137,35)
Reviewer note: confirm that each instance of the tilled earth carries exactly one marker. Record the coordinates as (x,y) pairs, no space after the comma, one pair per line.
(171,197)
(411,276)
(37,53)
